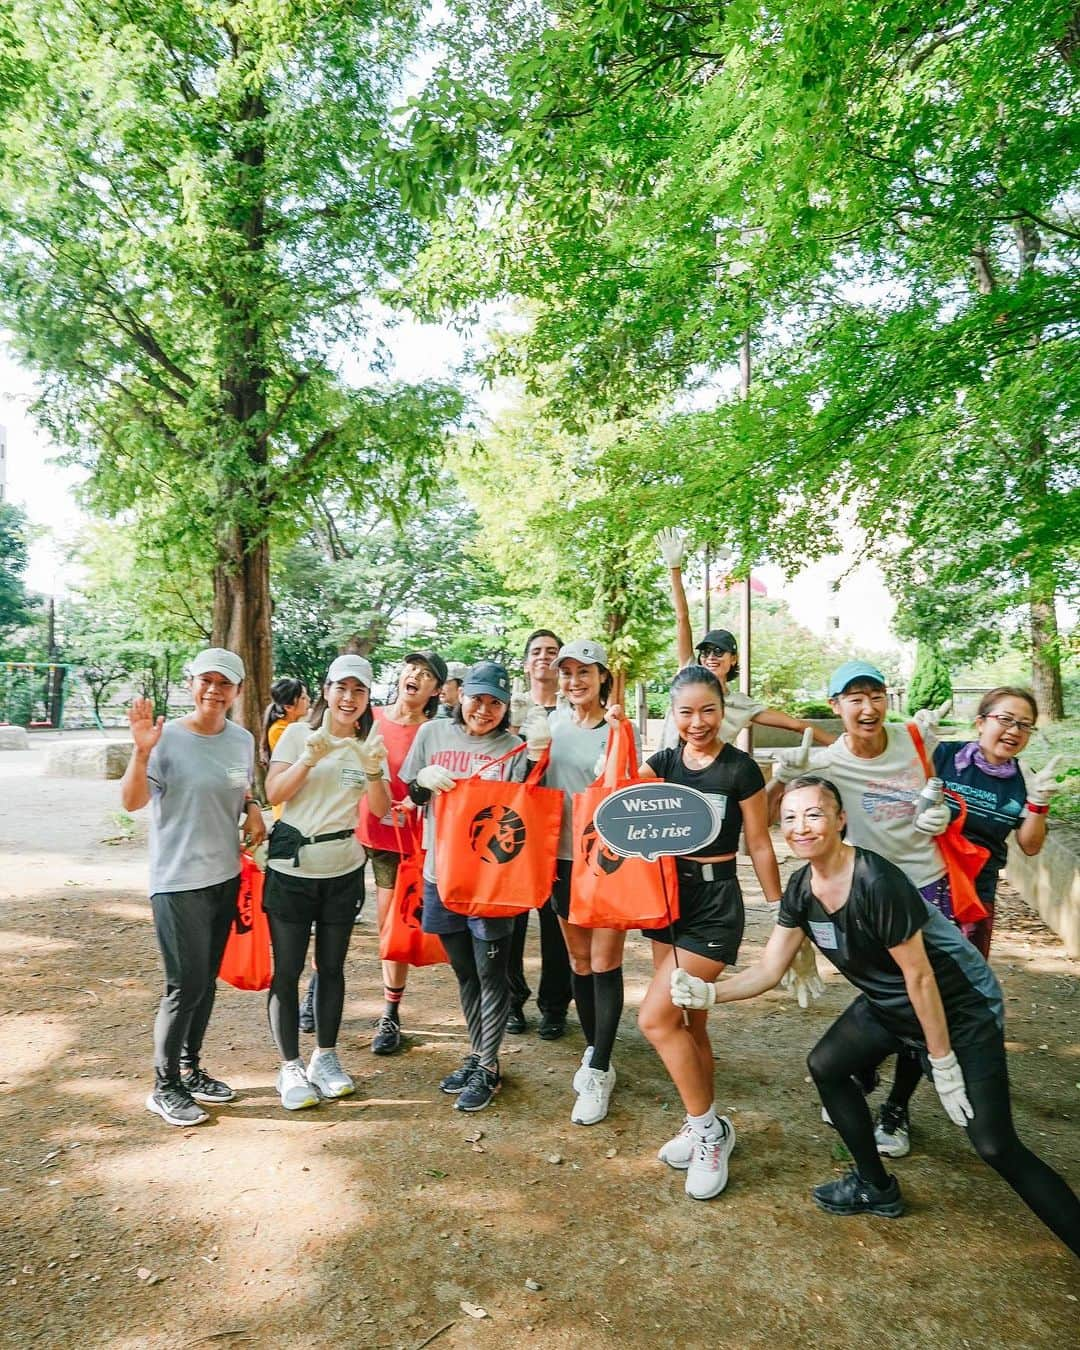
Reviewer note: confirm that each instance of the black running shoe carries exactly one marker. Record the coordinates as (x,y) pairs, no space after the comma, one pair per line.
(552,1027)
(387,1039)
(515,1023)
(174,1104)
(479,1090)
(852,1195)
(206,1089)
(454,1082)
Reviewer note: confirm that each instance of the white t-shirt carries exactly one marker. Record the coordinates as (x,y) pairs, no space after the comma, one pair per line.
(328,801)
(879,801)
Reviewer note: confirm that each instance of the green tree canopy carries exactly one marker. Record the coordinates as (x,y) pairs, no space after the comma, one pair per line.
(17,605)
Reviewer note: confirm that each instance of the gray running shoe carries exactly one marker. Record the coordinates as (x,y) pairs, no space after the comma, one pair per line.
(327,1077)
(174,1104)
(454,1082)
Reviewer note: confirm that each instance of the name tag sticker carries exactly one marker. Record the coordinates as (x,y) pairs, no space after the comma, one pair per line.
(824,934)
(237,775)
(351,778)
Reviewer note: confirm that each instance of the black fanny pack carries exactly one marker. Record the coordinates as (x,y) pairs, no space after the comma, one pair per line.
(286,841)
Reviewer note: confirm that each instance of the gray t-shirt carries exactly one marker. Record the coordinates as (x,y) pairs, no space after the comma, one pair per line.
(197,789)
(574,753)
(451,747)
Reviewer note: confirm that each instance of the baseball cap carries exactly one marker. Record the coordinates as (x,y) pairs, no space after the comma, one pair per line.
(432,660)
(456,670)
(851,671)
(719,638)
(219,660)
(350,667)
(488,677)
(588,653)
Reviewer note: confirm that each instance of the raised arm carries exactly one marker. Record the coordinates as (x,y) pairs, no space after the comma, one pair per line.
(773,717)
(672,544)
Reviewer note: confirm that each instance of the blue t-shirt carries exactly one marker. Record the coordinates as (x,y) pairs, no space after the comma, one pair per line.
(995,807)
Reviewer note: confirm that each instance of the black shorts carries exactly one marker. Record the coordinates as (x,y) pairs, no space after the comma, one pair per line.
(384,866)
(314,899)
(711,916)
(560,894)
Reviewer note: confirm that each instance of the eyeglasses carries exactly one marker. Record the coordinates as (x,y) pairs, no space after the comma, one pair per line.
(1004,721)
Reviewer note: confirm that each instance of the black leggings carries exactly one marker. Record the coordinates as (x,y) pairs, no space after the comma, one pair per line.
(290,943)
(857,1041)
(484,987)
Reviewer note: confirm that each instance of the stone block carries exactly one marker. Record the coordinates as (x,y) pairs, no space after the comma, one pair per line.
(1050,882)
(88,759)
(14,738)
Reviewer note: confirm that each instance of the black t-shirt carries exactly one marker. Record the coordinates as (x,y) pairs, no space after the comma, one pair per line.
(728,780)
(884,909)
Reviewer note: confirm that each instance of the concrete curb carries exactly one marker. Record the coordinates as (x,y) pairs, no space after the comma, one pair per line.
(1050,882)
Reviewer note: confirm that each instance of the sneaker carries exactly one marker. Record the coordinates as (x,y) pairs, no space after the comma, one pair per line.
(515,1023)
(479,1090)
(582,1069)
(175,1105)
(296,1092)
(327,1077)
(307,1009)
(677,1152)
(892,1131)
(552,1027)
(206,1089)
(454,1082)
(594,1094)
(707,1173)
(387,1038)
(852,1195)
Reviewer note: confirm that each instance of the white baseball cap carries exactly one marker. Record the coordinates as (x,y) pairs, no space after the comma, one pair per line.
(350,667)
(220,661)
(456,670)
(588,653)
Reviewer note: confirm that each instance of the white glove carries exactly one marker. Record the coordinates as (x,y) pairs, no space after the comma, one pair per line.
(933,819)
(672,544)
(802,977)
(928,720)
(260,853)
(435,778)
(371,753)
(687,991)
(537,732)
(1043,786)
(792,764)
(520,703)
(318,743)
(949,1081)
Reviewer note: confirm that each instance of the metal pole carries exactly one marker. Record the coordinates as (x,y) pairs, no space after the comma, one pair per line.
(746,737)
(708,590)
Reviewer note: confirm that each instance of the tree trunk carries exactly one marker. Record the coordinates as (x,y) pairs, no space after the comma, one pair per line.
(242,620)
(1045,651)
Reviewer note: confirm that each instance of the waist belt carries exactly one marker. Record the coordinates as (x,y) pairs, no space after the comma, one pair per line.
(693,870)
(286,841)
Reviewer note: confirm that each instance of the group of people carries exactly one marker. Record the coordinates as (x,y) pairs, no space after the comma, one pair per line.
(350,783)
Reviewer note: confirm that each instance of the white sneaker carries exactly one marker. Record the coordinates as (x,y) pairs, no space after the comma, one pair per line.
(593,1095)
(708,1171)
(892,1132)
(327,1077)
(677,1152)
(582,1069)
(296,1091)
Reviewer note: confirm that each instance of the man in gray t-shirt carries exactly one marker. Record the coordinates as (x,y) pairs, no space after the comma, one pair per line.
(196,776)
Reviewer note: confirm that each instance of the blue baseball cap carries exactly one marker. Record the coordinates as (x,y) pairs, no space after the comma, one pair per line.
(488,677)
(851,671)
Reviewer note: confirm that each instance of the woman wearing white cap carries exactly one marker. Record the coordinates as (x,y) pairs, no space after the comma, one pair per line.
(578,738)
(319,771)
(196,775)
(478,948)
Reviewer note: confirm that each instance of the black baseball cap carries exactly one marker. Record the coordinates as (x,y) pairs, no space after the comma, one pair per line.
(433,661)
(721,639)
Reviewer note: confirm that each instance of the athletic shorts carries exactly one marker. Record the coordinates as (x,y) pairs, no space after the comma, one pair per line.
(311,900)
(711,916)
(560,895)
(438,919)
(384,865)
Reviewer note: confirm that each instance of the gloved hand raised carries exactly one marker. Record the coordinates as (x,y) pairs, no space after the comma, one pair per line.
(949,1081)
(1044,784)
(688,991)
(928,720)
(802,977)
(371,752)
(672,545)
(537,732)
(435,779)
(792,764)
(520,704)
(933,819)
(319,743)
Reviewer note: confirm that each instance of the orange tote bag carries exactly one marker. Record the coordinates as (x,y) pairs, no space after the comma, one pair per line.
(246,963)
(607,891)
(401,937)
(963,858)
(498,843)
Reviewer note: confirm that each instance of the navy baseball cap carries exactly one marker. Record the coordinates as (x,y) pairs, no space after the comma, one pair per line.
(851,671)
(721,639)
(488,677)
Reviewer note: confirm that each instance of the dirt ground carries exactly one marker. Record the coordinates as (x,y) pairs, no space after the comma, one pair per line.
(372,1222)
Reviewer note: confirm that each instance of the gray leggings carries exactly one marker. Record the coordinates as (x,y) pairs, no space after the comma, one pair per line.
(480,965)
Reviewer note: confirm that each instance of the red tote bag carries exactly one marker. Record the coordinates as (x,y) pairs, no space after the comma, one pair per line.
(498,843)
(246,963)
(607,891)
(963,858)
(401,937)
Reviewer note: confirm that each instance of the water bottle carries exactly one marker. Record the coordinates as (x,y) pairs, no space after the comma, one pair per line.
(933,794)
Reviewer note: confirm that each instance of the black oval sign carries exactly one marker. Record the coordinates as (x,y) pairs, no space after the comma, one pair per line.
(655,820)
